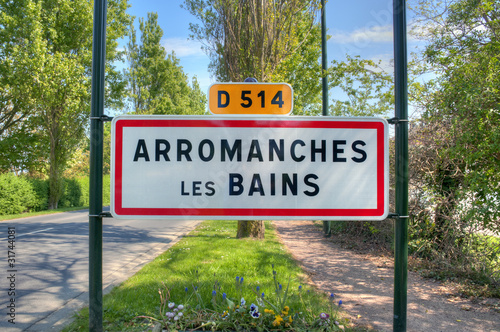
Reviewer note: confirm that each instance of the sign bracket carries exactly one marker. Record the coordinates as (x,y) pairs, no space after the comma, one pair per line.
(396,120)
(102,215)
(396,216)
(103,118)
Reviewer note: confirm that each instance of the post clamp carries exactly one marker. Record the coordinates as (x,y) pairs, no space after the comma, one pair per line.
(396,120)
(397,216)
(102,215)
(103,118)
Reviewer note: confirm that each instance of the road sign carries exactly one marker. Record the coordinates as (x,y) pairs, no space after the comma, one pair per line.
(315,168)
(250,98)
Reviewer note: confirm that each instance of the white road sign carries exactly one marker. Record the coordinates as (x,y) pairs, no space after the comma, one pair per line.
(215,167)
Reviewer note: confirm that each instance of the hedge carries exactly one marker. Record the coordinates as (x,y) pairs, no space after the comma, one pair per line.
(16,194)
(20,194)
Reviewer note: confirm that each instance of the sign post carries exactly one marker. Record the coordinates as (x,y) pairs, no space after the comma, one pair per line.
(327,225)
(401,122)
(96,166)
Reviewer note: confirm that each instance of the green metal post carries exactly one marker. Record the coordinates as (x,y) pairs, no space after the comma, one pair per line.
(401,113)
(324,65)
(324,59)
(96,166)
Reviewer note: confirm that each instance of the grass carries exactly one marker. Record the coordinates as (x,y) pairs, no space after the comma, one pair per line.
(210,258)
(40,213)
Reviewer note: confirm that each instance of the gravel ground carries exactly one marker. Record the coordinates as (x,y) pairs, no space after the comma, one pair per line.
(365,285)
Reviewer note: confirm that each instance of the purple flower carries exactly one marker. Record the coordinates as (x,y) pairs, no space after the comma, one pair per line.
(237,279)
(262,295)
(241,280)
(214,293)
(253,307)
(340,303)
(255,314)
(257,289)
(186,289)
(332,295)
(324,315)
(224,296)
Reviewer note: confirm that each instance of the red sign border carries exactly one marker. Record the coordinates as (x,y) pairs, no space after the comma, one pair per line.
(379,213)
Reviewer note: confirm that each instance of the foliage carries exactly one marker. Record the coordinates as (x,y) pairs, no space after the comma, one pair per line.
(41,188)
(22,193)
(272,41)
(50,43)
(20,46)
(454,146)
(268,312)
(465,49)
(367,87)
(302,70)
(17,194)
(79,164)
(157,82)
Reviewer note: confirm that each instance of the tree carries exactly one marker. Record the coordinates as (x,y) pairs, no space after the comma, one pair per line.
(157,83)
(56,55)
(454,150)
(465,50)
(272,41)
(368,88)
(18,58)
(256,39)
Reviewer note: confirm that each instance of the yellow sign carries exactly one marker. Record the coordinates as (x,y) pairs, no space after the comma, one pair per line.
(250,98)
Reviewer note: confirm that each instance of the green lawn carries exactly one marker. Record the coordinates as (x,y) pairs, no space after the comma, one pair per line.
(206,267)
(41,213)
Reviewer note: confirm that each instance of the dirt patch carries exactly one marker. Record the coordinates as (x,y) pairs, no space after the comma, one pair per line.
(365,284)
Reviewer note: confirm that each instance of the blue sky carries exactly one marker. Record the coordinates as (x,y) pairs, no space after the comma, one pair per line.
(357,27)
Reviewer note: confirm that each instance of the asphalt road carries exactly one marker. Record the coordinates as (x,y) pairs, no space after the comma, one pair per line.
(48,281)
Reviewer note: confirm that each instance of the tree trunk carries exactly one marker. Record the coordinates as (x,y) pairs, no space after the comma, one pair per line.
(55,181)
(250,228)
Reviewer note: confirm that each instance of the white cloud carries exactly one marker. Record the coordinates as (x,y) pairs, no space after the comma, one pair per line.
(374,34)
(183,47)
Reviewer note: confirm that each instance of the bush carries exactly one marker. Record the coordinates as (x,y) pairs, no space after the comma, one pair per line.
(17,194)
(83,182)
(72,193)
(41,188)
(20,194)
(106,190)
(76,192)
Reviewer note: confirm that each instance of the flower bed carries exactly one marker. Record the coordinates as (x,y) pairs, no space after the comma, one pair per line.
(279,310)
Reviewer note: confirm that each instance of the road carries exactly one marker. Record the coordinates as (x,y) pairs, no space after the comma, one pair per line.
(48,281)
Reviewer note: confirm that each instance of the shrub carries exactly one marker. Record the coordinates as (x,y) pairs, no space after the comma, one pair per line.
(71,193)
(106,190)
(20,194)
(17,194)
(83,182)
(41,189)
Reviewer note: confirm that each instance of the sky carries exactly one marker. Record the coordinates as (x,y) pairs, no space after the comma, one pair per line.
(356,27)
